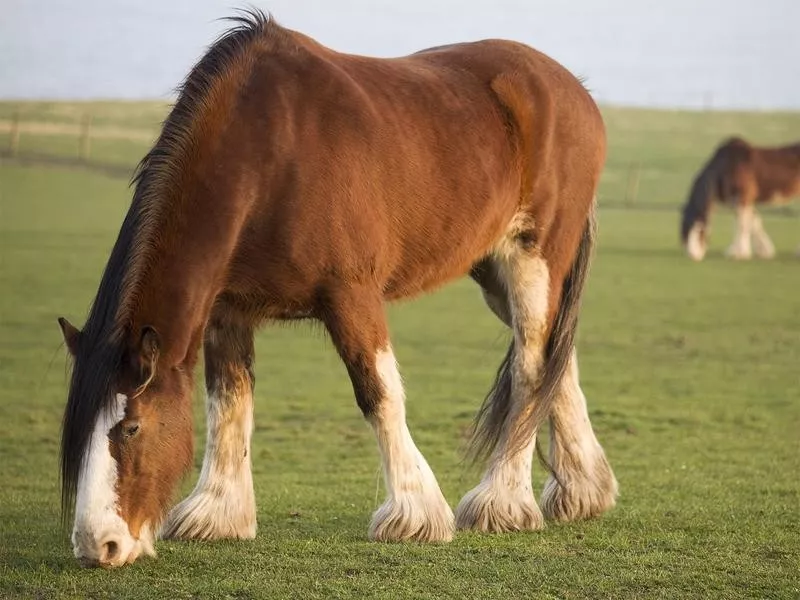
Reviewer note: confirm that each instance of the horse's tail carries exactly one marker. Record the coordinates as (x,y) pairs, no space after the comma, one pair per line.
(491,417)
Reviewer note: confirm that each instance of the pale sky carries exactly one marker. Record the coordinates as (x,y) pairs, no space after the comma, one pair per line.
(653,52)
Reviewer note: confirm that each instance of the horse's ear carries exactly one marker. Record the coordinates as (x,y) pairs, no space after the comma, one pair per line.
(72,335)
(148,355)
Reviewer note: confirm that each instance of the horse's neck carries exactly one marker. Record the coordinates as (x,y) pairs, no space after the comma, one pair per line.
(177,307)
(180,285)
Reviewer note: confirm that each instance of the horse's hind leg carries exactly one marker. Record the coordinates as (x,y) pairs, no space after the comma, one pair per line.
(222,504)
(415,508)
(486,274)
(515,285)
(584,485)
(762,245)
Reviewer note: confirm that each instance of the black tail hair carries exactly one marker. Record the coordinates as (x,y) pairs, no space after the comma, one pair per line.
(490,420)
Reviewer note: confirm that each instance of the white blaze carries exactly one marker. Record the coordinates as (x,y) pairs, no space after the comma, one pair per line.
(97,520)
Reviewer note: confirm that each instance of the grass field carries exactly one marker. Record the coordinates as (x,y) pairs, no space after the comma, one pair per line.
(691,371)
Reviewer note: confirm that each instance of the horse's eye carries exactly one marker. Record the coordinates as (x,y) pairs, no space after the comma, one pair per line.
(130,429)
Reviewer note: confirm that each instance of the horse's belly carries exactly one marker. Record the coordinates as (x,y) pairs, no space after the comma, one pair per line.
(776,200)
(411,282)
(435,262)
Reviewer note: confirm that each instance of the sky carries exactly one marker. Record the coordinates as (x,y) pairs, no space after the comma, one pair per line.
(673,53)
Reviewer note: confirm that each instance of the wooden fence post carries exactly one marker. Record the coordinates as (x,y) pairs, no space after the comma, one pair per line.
(632,190)
(13,139)
(86,125)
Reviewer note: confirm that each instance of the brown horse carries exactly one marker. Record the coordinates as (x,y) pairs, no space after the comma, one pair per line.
(742,176)
(294,182)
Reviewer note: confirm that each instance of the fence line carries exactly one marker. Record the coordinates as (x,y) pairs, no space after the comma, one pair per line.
(85,131)
(85,138)
(13,140)
(632,189)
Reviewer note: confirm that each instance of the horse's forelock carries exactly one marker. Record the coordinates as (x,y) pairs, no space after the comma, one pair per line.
(94,375)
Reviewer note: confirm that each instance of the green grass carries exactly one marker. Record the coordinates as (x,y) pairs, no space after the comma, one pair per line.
(690,370)
(670,147)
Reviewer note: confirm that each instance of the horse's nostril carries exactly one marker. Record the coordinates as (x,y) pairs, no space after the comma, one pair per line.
(110,551)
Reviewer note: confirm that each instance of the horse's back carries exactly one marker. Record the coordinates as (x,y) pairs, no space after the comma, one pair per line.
(778,173)
(403,171)
(763,175)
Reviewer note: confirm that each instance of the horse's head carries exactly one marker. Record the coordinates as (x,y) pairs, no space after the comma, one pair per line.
(697,211)
(127,441)
(694,226)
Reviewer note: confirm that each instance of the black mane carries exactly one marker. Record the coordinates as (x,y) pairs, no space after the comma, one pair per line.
(104,339)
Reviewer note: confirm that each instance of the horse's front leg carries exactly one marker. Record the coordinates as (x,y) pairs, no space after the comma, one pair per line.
(222,504)
(741,248)
(415,508)
(762,245)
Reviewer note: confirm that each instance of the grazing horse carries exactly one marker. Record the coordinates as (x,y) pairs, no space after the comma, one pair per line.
(291,181)
(742,176)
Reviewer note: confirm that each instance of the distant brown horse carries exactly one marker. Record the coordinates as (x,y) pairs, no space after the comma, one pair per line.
(294,182)
(742,176)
